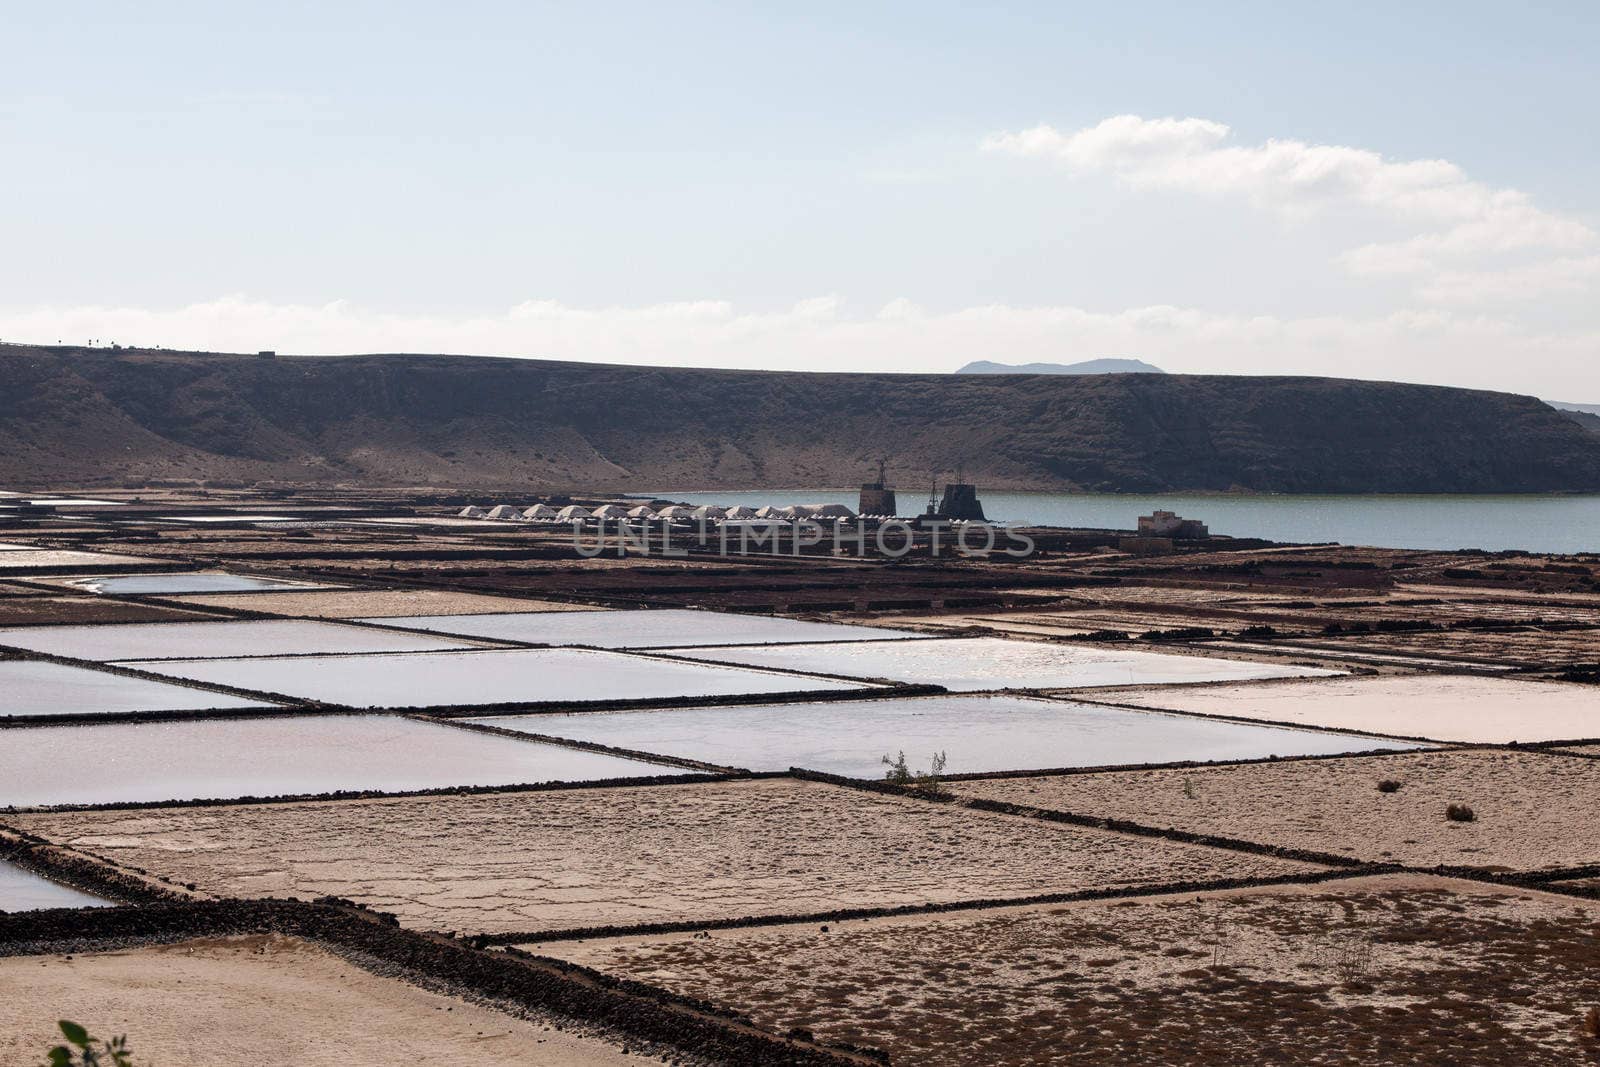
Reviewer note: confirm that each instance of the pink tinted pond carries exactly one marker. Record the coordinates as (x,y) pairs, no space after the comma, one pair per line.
(35,687)
(976,733)
(197,640)
(983,663)
(643,629)
(280,756)
(520,676)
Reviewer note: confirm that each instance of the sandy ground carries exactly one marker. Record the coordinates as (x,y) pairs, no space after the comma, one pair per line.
(1534,810)
(262,1000)
(381,603)
(1438,707)
(543,861)
(46,559)
(1398,970)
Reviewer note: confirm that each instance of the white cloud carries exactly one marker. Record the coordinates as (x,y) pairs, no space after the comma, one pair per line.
(1531,281)
(1434,345)
(1456,225)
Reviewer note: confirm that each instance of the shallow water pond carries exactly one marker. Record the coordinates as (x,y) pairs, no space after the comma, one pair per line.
(976,733)
(440,679)
(132,584)
(980,663)
(644,629)
(204,640)
(229,758)
(22,890)
(31,687)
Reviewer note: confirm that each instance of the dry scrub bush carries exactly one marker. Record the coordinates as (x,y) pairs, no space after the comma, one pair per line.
(900,773)
(1388,785)
(1460,813)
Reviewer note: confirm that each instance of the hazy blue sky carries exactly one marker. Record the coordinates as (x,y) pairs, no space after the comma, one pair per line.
(1376,190)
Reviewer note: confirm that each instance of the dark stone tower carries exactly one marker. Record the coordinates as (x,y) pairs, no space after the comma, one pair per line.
(961,502)
(876,497)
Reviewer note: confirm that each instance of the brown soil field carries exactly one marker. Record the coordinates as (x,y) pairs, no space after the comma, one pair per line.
(1507,611)
(533,861)
(263,1000)
(1462,708)
(1520,647)
(1534,810)
(38,610)
(375,603)
(1502,596)
(1380,970)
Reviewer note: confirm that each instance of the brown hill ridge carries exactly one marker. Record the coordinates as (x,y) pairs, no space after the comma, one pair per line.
(82,416)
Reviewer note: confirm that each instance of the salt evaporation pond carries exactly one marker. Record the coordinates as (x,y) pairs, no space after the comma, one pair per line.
(979,663)
(204,640)
(643,629)
(290,755)
(134,584)
(976,734)
(30,687)
(520,676)
(22,890)
(1440,707)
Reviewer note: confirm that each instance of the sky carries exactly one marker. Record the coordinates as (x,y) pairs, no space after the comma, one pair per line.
(1407,192)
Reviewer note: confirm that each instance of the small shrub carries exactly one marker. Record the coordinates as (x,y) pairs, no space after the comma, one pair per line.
(1388,785)
(1460,813)
(901,774)
(1189,791)
(81,1050)
(1591,1024)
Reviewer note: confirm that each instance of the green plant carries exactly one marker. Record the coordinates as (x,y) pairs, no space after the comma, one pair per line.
(81,1050)
(901,774)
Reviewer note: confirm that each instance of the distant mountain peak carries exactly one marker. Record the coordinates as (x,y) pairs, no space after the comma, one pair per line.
(1089,366)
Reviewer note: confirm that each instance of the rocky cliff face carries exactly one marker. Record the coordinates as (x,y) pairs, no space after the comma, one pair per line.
(94,416)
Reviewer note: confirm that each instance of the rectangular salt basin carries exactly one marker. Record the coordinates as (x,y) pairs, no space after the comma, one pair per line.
(61,501)
(31,687)
(518,676)
(228,518)
(22,890)
(976,733)
(644,629)
(285,756)
(980,663)
(1441,707)
(133,584)
(203,640)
